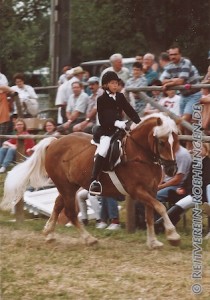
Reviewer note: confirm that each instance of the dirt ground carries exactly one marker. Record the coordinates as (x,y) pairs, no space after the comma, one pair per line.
(119,267)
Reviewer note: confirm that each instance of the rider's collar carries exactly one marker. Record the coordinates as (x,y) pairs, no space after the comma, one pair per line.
(111,95)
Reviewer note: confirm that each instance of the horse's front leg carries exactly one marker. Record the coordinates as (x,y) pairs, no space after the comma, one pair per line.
(51,223)
(170,230)
(152,241)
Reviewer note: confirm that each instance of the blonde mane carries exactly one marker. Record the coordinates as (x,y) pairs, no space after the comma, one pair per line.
(167,127)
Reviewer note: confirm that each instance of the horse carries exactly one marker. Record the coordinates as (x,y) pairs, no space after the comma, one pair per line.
(68,161)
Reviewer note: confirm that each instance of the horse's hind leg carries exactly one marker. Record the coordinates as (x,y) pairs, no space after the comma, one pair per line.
(152,241)
(51,223)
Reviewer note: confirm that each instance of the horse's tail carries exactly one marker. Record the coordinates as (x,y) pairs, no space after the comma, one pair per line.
(30,172)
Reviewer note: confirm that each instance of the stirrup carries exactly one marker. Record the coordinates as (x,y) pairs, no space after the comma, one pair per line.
(95,188)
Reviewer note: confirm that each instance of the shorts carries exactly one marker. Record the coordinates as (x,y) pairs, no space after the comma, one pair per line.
(187,102)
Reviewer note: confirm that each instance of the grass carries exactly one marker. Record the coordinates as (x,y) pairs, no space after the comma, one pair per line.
(119,267)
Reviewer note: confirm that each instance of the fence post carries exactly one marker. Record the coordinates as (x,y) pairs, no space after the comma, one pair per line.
(130,215)
(19,207)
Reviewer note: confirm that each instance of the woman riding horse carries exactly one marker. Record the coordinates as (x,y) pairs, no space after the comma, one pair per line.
(148,145)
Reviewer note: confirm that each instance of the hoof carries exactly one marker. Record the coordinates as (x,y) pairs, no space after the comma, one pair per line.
(155,244)
(50,238)
(175,243)
(91,241)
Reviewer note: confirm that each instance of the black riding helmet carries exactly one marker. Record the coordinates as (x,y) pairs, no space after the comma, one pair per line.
(109,76)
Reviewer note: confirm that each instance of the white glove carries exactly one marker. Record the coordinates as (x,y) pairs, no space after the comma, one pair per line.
(120,124)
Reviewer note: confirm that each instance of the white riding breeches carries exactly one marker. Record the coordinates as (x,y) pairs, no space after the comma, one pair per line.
(104,145)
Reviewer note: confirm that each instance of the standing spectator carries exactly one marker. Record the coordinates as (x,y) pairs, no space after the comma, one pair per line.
(25,93)
(157,96)
(65,90)
(117,67)
(4,111)
(180,71)
(76,106)
(171,102)
(8,149)
(109,214)
(64,77)
(3,79)
(148,62)
(164,60)
(90,120)
(139,58)
(137,80)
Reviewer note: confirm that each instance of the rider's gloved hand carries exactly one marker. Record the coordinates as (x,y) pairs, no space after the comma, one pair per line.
(120,124)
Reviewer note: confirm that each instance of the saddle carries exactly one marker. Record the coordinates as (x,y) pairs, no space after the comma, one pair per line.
(115,150)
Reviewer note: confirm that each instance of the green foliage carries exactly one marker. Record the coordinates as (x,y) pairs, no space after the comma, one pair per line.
(24,42)
(101,27)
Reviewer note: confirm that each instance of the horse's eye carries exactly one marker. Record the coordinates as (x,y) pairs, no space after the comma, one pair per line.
(161,143)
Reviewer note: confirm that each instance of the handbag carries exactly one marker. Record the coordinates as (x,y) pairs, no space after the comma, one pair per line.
(206,116)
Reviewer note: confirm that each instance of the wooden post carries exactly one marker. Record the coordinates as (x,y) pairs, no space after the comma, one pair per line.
(19,211)
(130,215)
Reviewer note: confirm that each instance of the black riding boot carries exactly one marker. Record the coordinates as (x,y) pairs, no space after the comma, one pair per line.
(174,214)
(95,186)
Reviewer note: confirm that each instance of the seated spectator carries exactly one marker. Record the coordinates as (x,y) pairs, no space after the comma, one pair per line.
(183,160)
(109,214)
(26,94)
(50,127)
(76,106)
(90,118)
(82,196)
(185,189)
(171,102)
(137,80)
(8,149)
(139,57)
(157,96)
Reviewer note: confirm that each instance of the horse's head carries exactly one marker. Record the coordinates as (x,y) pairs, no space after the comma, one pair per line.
(164,143)
(158,134)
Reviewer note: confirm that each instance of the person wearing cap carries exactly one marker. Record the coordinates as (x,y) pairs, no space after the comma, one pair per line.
(65,90)
(116,61)
(90,120)
(110,107)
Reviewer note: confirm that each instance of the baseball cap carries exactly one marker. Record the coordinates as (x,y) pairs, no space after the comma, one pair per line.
(93,79)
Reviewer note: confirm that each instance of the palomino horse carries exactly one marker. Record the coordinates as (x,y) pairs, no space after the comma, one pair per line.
(68,161)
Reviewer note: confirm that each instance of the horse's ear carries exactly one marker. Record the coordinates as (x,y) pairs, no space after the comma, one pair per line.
(159,121)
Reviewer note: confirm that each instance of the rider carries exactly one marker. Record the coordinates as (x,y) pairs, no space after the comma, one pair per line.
(110,106)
